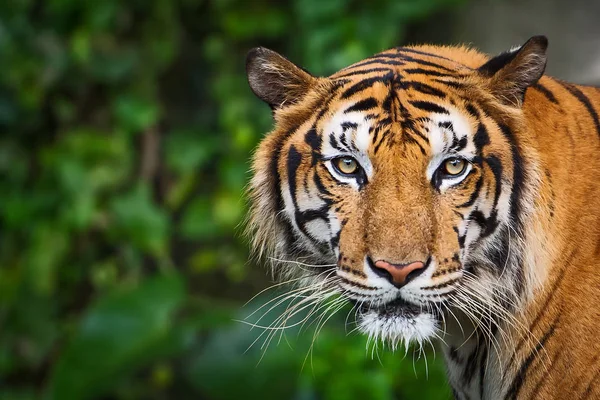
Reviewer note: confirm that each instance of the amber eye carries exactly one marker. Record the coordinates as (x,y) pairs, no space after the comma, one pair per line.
(346,165)
(454,166)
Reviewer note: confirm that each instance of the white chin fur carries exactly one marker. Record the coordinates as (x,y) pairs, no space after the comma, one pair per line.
(397,329)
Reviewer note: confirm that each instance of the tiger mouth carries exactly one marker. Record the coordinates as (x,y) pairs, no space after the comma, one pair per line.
(395,308)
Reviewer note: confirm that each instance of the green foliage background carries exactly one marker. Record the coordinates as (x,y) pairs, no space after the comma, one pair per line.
(126,133)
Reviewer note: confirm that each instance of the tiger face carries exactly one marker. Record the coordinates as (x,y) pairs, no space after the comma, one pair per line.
(398,182)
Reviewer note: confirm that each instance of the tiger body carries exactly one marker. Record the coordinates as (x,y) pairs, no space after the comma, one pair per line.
(503,254)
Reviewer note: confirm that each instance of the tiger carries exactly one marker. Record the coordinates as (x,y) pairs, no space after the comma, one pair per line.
(448,196)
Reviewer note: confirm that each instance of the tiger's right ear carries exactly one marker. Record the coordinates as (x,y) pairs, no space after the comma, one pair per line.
(274,79)
(511,73)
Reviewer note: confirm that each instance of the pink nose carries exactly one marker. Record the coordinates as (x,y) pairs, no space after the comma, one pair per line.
(400,272)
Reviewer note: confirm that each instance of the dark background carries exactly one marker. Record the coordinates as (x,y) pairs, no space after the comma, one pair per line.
(126,130)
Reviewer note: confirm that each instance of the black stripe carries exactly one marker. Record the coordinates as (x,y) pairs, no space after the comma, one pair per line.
(424,62)
(488,224)
(273,167)
(446,125)
(586,102)
(356,284)
(321,188)
(469,368)
(429,72)
(461,216)
(423,88)
(335,144)
(519,379)
(349,125)
(461,240)
(409,139)
(452,84)
(391,104)
(458,144)
(366,83)
(294,159)
(375,61)
(344,142)
(472,110)
(363,71)
(454,356)
(375,131)
(363,105)
(496,166)
(441,285)
(313,139)
(335,240)
(474,195)
(386,121)
(518,178)
(498,255)
(302,217)
(482,138)
(378,145)
(551,200)
(482,369)
(429,107)
(545,91)
(424,53)
(409,124)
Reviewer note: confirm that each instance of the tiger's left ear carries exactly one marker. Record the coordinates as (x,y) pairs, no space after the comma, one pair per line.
(512,72)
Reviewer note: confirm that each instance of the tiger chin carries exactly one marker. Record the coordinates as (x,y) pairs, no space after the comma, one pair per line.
(448,196)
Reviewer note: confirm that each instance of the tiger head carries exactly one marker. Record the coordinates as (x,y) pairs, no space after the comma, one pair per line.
(399,182)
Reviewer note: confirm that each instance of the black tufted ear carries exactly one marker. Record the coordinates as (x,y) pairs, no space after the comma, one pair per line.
(275,79)
(512,72)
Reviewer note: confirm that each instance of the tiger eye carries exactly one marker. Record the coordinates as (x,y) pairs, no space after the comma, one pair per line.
(454,166)
(346,165)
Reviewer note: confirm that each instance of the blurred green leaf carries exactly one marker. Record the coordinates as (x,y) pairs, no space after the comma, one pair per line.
(138,219)
(198,221)
(135,114)
(119,334)
(186,151)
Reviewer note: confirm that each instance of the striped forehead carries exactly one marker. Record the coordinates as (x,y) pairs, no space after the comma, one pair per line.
(348,132)
(450,133)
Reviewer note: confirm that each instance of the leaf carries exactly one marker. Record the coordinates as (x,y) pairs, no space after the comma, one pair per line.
(120,333)
(228,357)
(189,150)
(198,220)
(139,220)
(47,250)
(135,113)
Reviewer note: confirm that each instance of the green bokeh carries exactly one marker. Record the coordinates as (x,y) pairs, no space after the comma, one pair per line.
(126,130)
